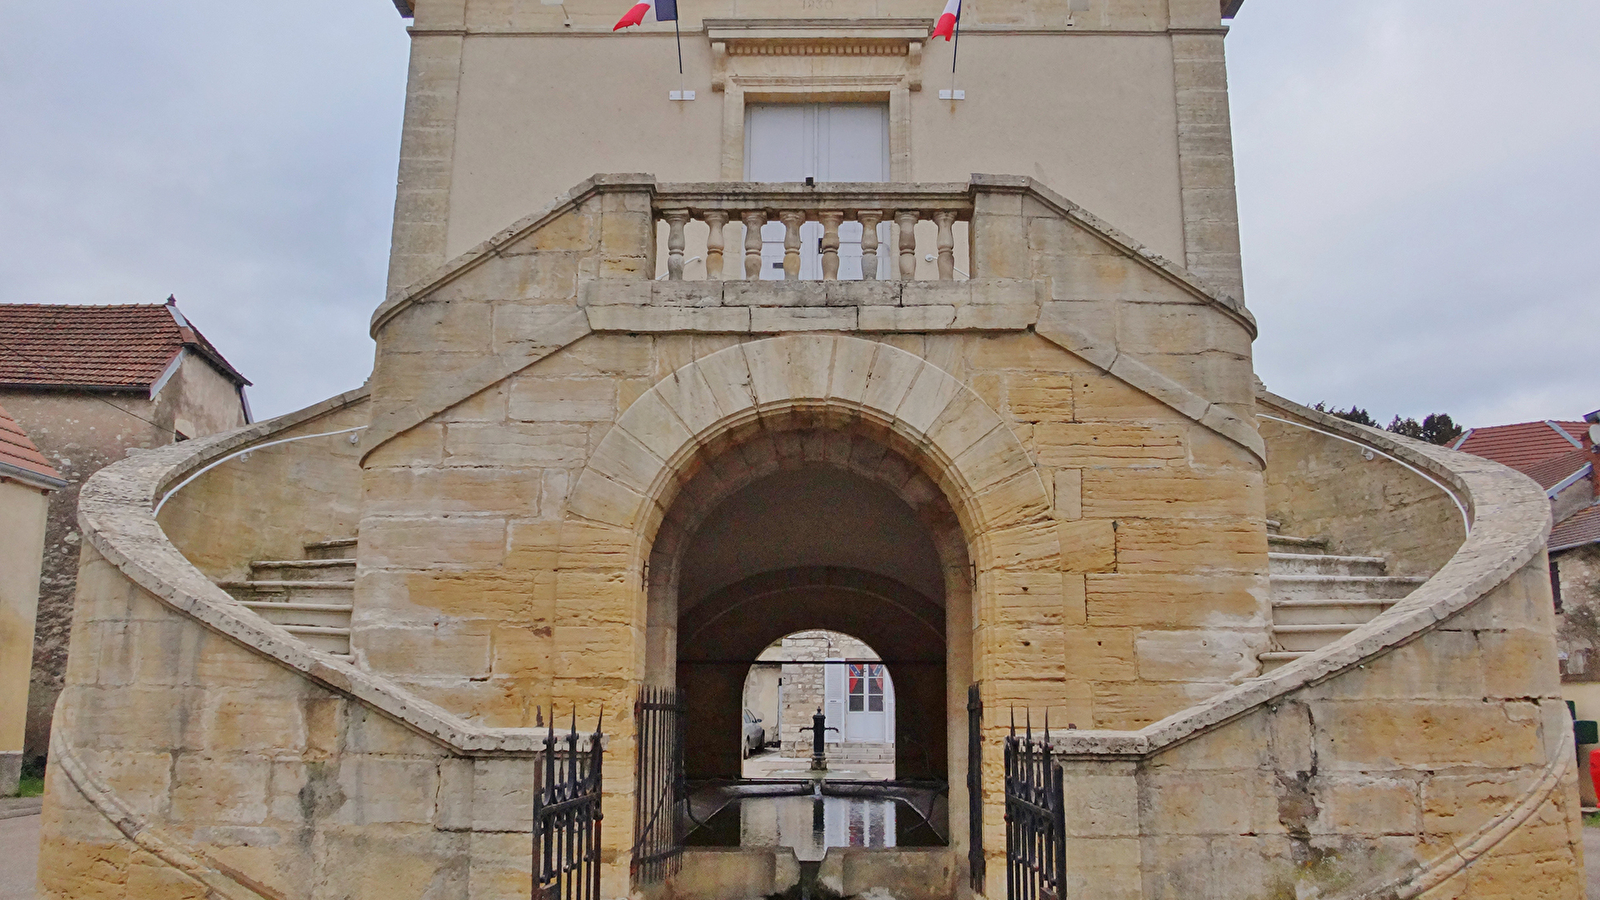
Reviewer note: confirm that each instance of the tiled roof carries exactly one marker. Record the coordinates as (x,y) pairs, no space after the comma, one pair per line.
(124,347)
(1551,472)
(1578,529)
(18,452)
(1526,443)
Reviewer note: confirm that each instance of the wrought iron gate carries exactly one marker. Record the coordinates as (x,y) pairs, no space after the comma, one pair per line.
(975,865)
(1036,822)
(566,817)
(658,818)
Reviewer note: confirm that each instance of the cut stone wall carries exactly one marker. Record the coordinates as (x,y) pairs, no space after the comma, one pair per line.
(1363,504)
(1078,438)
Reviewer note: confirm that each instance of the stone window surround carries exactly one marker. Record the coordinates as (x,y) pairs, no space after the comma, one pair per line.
(747,66)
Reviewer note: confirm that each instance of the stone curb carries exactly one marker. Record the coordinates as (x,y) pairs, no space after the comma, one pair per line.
(16,807)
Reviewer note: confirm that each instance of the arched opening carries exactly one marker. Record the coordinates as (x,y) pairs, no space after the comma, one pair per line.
(789,527)
(810,673)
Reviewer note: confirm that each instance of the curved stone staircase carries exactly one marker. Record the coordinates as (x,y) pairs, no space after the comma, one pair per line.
(310,598)
(1319,597)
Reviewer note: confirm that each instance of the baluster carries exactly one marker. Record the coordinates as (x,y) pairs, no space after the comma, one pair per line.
(792,220)
(676,219)
(946,220)
(907,220)
(830,244)
(716,219)
(753,221)
(869,219)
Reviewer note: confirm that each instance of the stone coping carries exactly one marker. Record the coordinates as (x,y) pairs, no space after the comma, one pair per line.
(115,513)
(1511,522)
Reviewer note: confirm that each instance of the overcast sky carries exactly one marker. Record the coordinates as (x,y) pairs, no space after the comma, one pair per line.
(1419,188)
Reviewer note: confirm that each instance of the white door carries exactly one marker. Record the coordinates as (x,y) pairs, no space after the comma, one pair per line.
(868,702)
(824,142)
(833,700)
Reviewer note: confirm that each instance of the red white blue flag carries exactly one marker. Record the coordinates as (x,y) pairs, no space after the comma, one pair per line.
(947,21)
(665,10)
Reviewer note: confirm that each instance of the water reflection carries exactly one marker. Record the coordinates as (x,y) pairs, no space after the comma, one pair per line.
(810,825)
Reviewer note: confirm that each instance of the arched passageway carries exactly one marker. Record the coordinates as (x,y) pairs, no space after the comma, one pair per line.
(791,527)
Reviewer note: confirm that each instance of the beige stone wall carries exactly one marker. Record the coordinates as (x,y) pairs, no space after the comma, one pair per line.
(1451,748)
(467,508)
(81,433)
(235,769)
(1362,503)
(22,526)
(1123,108)
(268,503)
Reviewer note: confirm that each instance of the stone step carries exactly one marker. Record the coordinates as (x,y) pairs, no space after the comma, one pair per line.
(1306,638)
(324,638)
(1328,612)
(284,591)
(1277,659)
(1342,587)
(303,570)
(1324,564)
(331,615)
(338,548)
(1293,544)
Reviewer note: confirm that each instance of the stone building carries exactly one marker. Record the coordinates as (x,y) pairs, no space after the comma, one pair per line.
(1561,457)
(92,384)
(835,674)
(627,430)
(26,482)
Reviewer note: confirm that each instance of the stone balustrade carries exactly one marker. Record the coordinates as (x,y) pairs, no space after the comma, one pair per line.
(755,205)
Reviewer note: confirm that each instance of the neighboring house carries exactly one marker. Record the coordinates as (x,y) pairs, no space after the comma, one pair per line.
(26,481)
(1561,456)
(89,384)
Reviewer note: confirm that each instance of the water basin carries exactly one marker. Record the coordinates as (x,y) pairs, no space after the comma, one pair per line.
(810,825)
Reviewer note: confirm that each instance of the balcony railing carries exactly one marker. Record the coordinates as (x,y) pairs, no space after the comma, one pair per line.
(847,221)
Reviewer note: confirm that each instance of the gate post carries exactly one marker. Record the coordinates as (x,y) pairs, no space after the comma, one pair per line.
(1100,815)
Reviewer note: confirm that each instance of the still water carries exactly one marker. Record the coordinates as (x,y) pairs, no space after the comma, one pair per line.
(810,825)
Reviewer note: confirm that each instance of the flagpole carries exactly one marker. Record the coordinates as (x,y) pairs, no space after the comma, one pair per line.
(954,50)
(679,35)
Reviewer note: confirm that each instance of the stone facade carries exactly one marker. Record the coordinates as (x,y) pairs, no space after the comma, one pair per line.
(581,470)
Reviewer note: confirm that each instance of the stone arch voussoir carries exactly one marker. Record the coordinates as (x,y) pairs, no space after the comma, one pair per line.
(992,483)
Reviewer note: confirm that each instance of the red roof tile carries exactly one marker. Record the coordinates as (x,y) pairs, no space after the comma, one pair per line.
(124,347)
(18,452)
(1526,443)
(1578,529)
(1551,472)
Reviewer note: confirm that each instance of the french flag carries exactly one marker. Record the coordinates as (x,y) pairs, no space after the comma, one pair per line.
(666,11)
(947,22)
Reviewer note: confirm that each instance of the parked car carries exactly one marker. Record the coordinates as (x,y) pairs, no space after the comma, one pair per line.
(755,736)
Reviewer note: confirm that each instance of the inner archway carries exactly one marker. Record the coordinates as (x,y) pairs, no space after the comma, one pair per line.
(835,531)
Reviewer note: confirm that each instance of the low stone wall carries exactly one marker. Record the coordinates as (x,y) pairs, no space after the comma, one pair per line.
(1429,751)
(270,501)
(1363,503)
